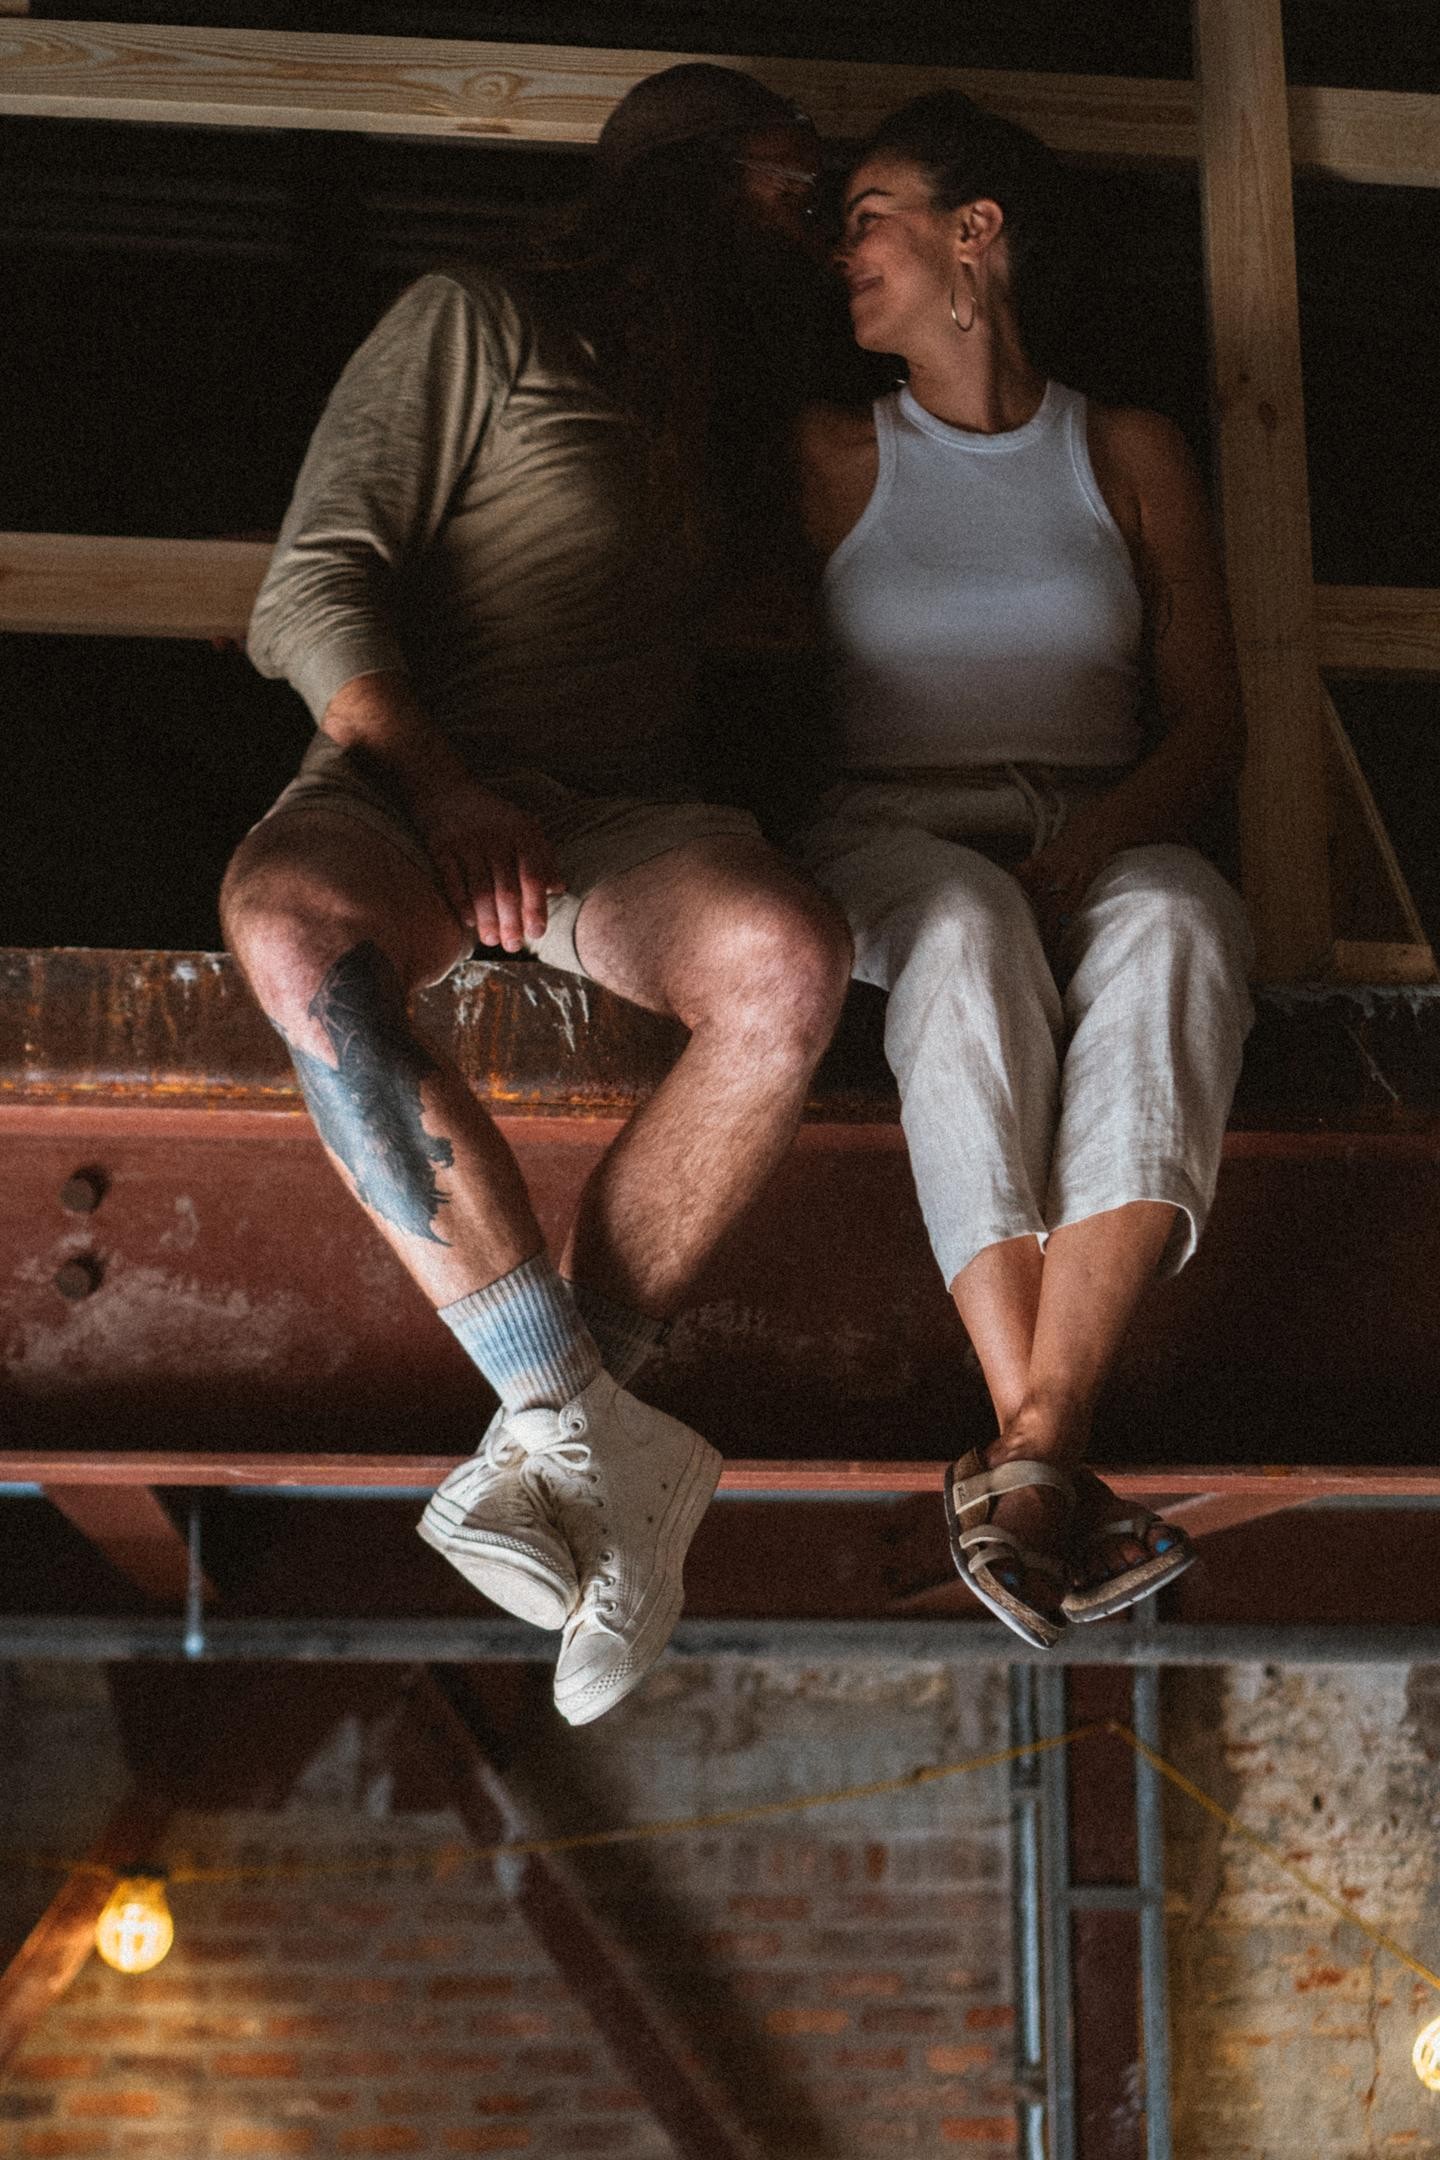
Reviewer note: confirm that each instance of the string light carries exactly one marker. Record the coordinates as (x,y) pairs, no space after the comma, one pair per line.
(1426,2055)
(135,1930)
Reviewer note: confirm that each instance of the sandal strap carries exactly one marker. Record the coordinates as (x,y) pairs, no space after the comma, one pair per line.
(977,1488)
(987,1542)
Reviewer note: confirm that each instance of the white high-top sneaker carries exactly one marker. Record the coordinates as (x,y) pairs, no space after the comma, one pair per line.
(491,1520)
(628,1513)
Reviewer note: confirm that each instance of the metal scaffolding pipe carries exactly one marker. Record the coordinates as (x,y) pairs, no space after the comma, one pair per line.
(371,1641)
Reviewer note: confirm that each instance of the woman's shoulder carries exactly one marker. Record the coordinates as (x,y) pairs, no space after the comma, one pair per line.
(1141,444)
(1142,464)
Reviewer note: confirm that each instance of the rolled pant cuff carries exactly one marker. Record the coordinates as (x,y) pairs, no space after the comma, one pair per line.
(1164,1182)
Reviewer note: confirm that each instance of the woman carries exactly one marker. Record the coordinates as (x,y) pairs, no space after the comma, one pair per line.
(1038,700)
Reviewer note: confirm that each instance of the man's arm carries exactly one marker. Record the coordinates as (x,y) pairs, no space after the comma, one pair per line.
(394,442)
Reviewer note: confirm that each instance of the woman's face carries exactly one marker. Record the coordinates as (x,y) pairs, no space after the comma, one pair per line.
(898,255)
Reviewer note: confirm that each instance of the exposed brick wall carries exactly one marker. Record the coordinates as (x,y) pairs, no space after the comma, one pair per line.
(1292,2033)
(843,1975)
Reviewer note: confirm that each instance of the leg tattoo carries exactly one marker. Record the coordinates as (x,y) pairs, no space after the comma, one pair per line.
(368,1107)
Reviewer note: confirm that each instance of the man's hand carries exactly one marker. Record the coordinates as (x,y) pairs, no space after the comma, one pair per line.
(497,870)
(496,867)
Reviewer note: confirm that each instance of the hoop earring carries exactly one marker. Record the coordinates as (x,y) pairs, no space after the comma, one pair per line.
(969,324)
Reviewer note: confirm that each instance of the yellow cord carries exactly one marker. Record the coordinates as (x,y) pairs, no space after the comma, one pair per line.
(452,1857)
(684,1825)
(1307,1882)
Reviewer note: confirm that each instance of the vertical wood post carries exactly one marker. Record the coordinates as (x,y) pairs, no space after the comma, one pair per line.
(1249,229)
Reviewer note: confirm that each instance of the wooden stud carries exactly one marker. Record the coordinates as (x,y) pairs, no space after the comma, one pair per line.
(1249,229)
(1393,966)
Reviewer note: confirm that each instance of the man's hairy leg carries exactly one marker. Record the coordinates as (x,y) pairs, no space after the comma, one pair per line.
(724,937)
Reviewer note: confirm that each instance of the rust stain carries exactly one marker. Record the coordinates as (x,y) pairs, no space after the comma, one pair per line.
(1319,1976)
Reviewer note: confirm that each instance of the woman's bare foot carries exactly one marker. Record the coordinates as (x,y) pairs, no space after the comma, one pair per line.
(1096,1505)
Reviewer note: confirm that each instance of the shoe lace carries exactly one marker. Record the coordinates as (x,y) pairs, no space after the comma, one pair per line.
(554,1459)
(597,1606)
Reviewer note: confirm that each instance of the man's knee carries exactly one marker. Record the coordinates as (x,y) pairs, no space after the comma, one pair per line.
(287,932)
(780,963)
(289,915)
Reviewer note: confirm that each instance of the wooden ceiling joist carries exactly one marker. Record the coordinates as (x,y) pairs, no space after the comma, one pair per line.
(558,95)
(64,1935)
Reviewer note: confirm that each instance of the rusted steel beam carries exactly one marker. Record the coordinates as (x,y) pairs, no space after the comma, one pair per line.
(1277,1485)
(172,1032)
(64,1935)
(130,1526)
(647,2050)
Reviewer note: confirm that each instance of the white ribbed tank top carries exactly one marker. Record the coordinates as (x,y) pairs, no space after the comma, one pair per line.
(984,610)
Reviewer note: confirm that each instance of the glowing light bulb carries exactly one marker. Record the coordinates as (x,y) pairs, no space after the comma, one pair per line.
(135,1930)
(1426,2055)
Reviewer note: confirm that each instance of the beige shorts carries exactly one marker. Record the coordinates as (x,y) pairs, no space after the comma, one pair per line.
(595,837)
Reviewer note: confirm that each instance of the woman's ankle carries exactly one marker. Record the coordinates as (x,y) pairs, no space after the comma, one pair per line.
(1047,1427)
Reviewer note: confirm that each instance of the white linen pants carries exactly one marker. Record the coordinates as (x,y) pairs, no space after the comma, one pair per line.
(1028,1102)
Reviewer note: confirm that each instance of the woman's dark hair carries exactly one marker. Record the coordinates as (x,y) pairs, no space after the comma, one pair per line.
(969,154)
(704,326)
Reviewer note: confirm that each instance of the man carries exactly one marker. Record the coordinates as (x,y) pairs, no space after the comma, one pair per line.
(510,512)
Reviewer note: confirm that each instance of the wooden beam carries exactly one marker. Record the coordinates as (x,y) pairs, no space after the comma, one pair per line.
(1387,966)
(132,1529)
(1245,191)
(1374,138)
(64,1935)
(545,94)
(79,585)
(1378,630)
(89,585)
(542,94)
(648,2052)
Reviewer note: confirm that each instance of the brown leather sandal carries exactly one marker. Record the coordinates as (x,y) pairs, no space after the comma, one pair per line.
(977,1543)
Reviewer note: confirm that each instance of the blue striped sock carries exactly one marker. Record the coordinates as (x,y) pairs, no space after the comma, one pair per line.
(526,1336)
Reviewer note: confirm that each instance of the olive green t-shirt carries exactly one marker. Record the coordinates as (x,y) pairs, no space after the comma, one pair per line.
(474,511)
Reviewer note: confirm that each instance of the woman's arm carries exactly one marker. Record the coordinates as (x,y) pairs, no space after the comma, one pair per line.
(1153,489)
